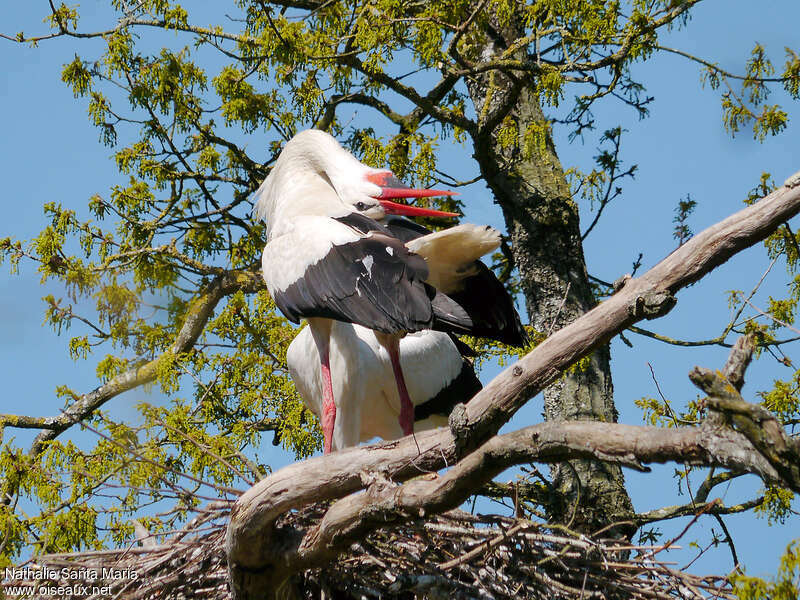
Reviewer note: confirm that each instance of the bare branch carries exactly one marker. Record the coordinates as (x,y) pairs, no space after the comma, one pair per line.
(648,296)
(717,68)
(757,424)
(256,548)
(687,510)
(738,360)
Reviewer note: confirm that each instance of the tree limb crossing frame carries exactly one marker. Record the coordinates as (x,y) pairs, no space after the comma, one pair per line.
(261,557)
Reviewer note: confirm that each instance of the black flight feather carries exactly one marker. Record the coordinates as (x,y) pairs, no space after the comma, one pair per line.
(375,282)
(484,298)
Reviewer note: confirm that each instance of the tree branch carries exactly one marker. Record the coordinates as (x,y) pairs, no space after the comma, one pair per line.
(200,310)
(717,68)
(261,556)
(424,102)
(761,428)
(646,297)
(688,510)
(385,502)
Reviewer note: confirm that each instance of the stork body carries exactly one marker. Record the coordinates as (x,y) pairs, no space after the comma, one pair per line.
(327,261)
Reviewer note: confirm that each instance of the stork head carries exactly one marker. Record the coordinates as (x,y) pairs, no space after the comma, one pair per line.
(313,161)
(368,190)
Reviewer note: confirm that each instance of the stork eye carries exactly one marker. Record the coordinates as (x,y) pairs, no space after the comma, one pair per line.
(362,206)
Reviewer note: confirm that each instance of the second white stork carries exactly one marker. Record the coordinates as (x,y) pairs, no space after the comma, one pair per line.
(327,262)
(437,377)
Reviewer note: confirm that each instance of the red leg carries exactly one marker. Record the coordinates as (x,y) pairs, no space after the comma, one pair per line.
(321,331)
(328,405)
(406,417)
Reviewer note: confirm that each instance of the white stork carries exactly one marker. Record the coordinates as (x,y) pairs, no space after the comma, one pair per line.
(330,263)
(367,398)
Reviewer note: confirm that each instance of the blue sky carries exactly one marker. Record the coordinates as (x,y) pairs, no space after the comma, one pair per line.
(52,153)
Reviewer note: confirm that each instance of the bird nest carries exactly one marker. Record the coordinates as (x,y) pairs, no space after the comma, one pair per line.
(455,555)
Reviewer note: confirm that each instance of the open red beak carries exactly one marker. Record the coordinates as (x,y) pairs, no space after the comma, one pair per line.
(395,208)
(392,187)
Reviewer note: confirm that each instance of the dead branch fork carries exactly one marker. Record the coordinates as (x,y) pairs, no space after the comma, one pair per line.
(757,424)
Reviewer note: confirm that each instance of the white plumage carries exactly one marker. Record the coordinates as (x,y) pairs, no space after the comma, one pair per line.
(362,289)
(366,393)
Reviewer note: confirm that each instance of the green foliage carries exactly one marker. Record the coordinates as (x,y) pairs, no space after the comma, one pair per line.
(489,350)
(535,138)
(63,18)
(650,536)
(783,242)
(660,413)
(777,505)
(783,399)
(764,187)
(791,74)
(784,586)
(654,412)
(739,108)
(77,76)
(603,184)
(683,211)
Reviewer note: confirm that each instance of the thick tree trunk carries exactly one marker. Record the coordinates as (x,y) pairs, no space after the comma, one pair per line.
(542,220)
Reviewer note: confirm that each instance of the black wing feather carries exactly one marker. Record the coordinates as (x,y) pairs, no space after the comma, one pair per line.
(461,389)
(389,296)
(404,229)
(483,297)
(374,281)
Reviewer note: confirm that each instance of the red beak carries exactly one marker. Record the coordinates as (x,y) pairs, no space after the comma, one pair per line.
(392,187)
(395,208)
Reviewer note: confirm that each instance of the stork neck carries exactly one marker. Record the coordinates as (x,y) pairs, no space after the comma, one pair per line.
(312,176)
(309,195)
